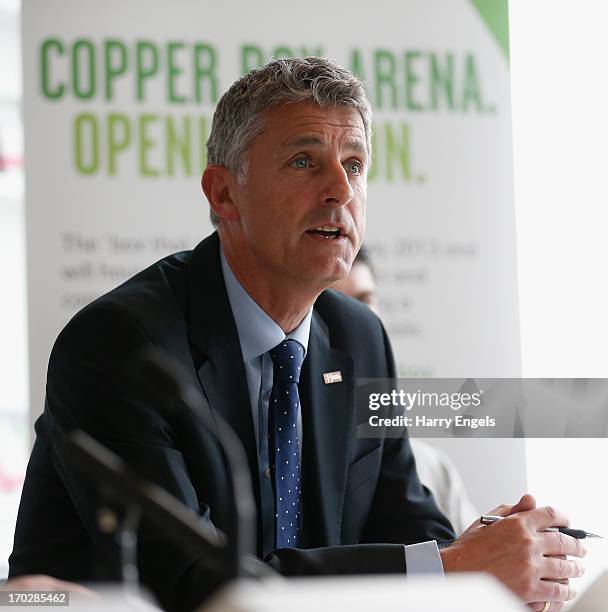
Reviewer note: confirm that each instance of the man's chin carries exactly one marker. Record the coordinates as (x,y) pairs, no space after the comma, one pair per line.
(323,270)
(332,274)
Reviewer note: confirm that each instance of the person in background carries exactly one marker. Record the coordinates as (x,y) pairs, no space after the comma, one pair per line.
(435,469)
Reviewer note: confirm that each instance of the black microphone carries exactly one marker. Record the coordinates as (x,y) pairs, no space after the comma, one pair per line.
(122,485)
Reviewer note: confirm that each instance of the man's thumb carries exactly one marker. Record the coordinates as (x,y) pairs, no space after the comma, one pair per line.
(527,502)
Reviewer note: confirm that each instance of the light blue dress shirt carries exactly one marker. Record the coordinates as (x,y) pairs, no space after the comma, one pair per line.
(258,333)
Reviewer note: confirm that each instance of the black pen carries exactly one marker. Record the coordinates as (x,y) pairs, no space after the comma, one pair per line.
(579,534)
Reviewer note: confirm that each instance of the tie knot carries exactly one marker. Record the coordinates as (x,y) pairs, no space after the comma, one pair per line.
(287,358)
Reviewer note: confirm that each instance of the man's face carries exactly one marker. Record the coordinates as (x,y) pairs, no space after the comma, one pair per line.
(307,174)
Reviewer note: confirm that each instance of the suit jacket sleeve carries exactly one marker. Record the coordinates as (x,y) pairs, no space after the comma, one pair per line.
(91,386)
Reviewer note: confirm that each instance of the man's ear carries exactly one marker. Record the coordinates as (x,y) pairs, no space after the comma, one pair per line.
(219,184)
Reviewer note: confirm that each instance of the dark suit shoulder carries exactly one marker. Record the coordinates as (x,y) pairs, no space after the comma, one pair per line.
(149,309)
(96,355)
(346,317)
(163,301)
(356,330)
(158,291)
(344,311)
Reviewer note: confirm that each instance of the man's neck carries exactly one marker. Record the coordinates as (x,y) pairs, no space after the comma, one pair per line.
(284,303)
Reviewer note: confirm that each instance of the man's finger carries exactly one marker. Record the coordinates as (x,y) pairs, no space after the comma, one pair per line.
(556,543)
(546,516)
(538,606)
(565,580)
(556,569)
(548,590)
(527,502)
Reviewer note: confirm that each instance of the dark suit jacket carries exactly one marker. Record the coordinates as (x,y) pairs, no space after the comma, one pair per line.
(361,497)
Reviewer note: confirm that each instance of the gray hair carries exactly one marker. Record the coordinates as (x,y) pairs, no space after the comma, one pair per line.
(237,120)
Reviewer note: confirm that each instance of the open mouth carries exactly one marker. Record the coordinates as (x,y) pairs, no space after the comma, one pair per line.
(326,231)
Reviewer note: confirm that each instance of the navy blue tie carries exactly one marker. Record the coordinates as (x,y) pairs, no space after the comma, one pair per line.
(283,441)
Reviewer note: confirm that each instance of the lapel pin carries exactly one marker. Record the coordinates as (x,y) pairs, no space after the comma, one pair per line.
(332,377)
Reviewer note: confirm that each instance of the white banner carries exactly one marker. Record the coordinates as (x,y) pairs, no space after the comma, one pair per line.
(119,99)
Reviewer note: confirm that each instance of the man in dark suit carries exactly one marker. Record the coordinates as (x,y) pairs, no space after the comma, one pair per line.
(286,182)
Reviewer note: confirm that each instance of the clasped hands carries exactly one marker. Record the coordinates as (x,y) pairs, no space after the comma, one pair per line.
(532,563)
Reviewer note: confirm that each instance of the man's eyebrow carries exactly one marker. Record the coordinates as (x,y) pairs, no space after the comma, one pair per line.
(310,140)
(358,145)
(302,141)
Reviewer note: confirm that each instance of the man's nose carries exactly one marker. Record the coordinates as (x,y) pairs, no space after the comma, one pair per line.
(337,190)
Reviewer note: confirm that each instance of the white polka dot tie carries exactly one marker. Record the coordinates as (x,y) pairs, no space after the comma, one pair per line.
(283,440)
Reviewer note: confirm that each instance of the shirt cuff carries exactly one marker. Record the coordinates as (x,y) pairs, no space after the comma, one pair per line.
(423,558)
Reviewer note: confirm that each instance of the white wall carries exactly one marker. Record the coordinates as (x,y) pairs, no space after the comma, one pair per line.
(560,130)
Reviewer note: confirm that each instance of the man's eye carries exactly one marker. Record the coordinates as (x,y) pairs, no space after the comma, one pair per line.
(354,167)
(301,162)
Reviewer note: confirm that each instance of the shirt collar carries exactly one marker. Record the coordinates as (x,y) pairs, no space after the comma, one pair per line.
(258,333)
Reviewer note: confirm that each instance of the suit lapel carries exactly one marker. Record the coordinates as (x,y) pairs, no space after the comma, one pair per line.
(327,417)
(218,358)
